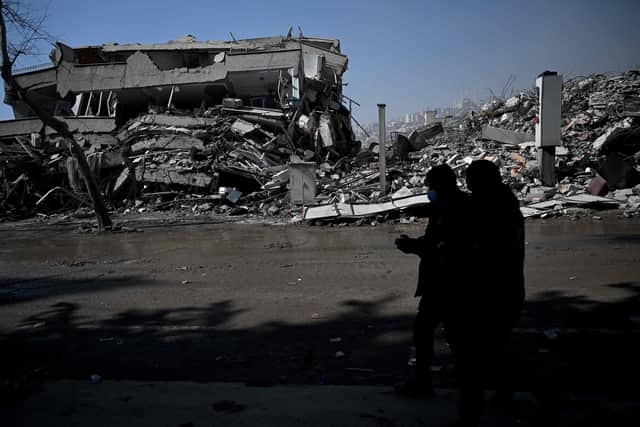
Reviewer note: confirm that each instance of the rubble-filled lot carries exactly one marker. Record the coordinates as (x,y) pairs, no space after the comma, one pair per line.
(235,161)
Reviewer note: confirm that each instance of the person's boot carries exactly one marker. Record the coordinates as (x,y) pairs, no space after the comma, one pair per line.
(415,388)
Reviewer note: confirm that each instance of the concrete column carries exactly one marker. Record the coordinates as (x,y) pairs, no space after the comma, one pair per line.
(548,127)
(547,162)
(382,155)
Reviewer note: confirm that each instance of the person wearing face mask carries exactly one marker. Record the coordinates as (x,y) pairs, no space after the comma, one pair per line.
(439,249)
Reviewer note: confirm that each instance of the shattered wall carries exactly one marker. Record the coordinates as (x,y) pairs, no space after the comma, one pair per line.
(208,118)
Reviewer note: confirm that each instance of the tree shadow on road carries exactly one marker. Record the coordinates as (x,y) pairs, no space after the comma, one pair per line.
(565,342)
(15,290)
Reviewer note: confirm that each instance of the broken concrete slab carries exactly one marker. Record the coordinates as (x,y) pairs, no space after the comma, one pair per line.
(242,127)
(547,204)
(170,142)
(505,136)
(169,176)
(361,210)
(20,127)
(176,121)
(528,212)
(419,137)
(584,199)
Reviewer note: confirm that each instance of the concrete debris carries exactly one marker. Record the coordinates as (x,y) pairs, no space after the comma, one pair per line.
(302,184)
(600,151)
(419,137)
(259,127)
(362,210)
(505,136)
(169,176)
(184,121)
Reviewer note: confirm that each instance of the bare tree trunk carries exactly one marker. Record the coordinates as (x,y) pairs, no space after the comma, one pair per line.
(104,221)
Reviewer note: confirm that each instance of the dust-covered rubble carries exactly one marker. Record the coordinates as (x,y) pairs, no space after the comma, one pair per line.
(230,161)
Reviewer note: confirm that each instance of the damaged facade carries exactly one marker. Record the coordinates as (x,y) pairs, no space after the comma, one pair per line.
(184,116)
(261,126)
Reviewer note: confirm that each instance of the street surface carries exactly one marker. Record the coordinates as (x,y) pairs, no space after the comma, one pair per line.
(297,304)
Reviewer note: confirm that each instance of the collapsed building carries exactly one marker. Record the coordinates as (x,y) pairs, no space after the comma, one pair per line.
(187,115)
(259,126)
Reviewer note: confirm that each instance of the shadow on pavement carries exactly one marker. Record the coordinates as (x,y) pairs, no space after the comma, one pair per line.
(15,290)
(565,344)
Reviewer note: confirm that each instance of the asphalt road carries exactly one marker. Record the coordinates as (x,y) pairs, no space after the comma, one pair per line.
(298,304)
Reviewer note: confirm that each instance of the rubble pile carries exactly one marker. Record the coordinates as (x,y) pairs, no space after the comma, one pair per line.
(600,139)
(599,153)
(232,159)
(596,166)
(187,125)
(222,161)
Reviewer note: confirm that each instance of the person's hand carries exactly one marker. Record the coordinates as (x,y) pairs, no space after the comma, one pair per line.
(404,243)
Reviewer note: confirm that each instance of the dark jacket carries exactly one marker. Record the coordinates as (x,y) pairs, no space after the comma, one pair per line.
(443,246)
(498,254)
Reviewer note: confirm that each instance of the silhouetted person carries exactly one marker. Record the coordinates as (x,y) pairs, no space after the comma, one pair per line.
(481,321)
(498,234)
(438,250)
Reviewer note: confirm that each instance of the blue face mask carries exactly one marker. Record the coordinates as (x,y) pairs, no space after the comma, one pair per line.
(433,196)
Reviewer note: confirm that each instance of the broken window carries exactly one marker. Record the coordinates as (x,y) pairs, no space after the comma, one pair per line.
(95,104)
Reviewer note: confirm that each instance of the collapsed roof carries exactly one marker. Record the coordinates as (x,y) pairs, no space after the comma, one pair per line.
(271,72)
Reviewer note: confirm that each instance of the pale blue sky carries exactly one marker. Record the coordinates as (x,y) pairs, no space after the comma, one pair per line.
(408,54)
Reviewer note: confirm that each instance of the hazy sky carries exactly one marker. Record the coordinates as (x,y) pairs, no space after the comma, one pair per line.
(407,54)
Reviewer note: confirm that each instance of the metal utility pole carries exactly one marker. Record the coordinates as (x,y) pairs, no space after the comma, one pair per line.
(548,127)
(382,156)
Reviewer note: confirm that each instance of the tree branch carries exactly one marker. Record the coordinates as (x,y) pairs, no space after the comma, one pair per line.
(60,126)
